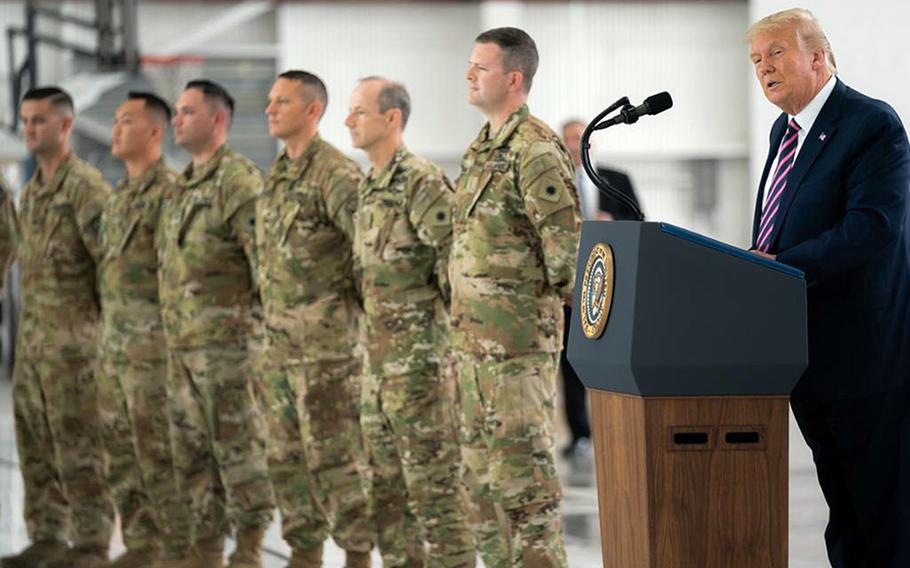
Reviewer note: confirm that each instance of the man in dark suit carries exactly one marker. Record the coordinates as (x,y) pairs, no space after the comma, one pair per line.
(833,202)
(594,206)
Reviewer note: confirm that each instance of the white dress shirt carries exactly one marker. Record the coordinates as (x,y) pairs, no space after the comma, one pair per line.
(805,119)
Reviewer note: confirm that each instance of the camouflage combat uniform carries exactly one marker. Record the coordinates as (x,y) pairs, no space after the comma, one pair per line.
(311,372)
(133,365)
(404,231)
(55,395)
(513,261)
(206,266)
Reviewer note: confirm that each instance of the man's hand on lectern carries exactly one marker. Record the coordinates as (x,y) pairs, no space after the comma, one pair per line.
(763,254)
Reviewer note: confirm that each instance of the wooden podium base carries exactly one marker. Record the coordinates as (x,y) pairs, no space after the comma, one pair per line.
(691,482)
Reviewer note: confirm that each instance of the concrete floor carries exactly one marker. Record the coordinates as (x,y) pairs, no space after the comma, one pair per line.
(807,509)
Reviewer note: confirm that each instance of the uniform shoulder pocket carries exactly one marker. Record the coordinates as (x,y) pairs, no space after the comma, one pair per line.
(432,204)
(545,186)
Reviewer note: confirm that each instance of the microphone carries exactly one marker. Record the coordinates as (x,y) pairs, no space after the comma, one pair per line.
(655,104)
(628,114)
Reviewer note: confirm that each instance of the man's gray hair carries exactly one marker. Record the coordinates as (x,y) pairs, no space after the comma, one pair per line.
(392,95)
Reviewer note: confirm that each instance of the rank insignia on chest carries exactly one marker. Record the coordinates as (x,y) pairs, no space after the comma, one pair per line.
(497,165)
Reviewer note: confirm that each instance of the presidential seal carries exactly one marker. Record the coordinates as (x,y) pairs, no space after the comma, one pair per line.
(597,290)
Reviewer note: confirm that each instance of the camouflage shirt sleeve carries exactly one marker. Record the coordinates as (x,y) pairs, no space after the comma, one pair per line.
(89,198)
(241,190)
(431,216)
(341,202)
(7,230)
(547,188)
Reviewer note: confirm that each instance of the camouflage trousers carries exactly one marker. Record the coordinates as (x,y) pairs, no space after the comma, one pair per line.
(55,401)
(420,501)
(508,413)
(218,440)
(136,433)
(315,451)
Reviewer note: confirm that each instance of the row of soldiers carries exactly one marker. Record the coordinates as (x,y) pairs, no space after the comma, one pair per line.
(376,355)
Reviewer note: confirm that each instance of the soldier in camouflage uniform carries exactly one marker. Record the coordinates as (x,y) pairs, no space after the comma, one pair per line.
(54,385)
(207,289)
(132,354)
(513,261)
(7,230)
(404,231)
(311,372)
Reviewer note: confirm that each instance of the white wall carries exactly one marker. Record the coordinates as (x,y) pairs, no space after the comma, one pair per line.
(592,53)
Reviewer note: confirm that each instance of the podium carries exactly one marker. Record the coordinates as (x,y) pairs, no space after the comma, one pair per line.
(689,349)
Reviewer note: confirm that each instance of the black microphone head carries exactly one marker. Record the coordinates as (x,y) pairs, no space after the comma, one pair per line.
(659,102)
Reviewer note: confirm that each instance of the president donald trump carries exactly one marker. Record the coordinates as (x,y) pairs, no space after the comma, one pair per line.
(833,202)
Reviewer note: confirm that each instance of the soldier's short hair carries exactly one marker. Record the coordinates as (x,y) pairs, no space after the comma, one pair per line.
(213,92)
(392,95)
(519,52)
(157,108)
(312,82)
(61,101)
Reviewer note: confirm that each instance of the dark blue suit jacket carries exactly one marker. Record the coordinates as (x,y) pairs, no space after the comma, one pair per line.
(843,219)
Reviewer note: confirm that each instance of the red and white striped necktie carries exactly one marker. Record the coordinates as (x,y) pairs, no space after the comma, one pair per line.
(785,158)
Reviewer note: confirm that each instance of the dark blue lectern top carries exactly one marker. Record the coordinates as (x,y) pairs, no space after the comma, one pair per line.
(729,249)
(690,316)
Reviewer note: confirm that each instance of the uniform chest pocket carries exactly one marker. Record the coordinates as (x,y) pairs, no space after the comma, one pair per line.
(300,217)
(119,245)
(492,174)
(63,230)
(286,218)
(482,183)
(196,208)
(384,223)
(168,221)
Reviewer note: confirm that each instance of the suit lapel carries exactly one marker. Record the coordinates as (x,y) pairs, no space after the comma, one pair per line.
(820,136)
(777,132)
